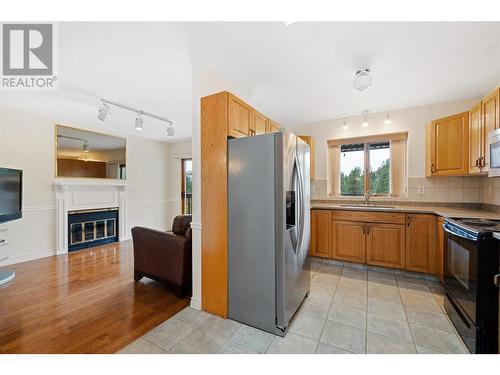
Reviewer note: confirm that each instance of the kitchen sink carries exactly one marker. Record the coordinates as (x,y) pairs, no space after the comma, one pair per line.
(368,206)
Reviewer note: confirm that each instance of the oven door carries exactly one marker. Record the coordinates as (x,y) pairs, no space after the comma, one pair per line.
(460,277)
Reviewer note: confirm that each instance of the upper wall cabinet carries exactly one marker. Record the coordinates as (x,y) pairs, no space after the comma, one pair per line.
(447,146)
(490,114)
(272,127)
(310,141)
(259,123)
(477,140)
(491,109)
(240,122)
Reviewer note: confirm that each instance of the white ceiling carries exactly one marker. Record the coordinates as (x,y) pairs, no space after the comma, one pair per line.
(294,74)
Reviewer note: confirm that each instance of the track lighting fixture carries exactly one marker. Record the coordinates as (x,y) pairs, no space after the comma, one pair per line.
(104,111)
(170,131)
(365,119)
(139,122)
(86,146)
(387,120)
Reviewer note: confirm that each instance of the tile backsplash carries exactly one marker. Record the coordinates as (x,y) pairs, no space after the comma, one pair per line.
(470,189)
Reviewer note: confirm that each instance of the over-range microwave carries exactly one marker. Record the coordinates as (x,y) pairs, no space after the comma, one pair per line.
(494,153)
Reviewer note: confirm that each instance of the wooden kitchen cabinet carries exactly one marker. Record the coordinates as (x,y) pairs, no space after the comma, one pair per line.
(385,245)
(477,140)
(321,233)
(259,123)
(447,146)
(491,111)
(348,241)
(310,141)
(240,118)
(272,127)
(421,243)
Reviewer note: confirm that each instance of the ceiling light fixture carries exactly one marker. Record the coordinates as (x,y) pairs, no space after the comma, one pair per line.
(139,122)
(104,111)
(387,120)
(170,131)
(365,119)
(345,127)
(86,147)
(363,80)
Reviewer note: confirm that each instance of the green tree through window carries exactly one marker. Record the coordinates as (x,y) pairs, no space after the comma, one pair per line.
(352,168)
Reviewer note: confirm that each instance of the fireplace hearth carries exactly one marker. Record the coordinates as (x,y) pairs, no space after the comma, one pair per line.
(89,228)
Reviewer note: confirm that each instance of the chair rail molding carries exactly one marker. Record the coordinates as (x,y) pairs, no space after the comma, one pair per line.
(88,194)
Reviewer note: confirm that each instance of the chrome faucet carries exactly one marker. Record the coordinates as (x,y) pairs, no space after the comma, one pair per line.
(367,198)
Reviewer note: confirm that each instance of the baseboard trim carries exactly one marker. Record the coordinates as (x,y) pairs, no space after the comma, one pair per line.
(195,303)
(28,257)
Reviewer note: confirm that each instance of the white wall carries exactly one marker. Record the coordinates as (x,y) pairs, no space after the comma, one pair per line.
(27,143)
(412,120)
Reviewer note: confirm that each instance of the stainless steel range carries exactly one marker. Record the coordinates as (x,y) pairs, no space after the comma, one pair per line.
(471,268)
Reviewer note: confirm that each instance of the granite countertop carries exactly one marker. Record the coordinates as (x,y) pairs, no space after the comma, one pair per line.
(443,211)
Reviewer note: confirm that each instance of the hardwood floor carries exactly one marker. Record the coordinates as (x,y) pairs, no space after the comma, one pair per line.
(84,302)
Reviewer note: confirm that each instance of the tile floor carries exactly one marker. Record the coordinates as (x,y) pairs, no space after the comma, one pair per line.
(350,309)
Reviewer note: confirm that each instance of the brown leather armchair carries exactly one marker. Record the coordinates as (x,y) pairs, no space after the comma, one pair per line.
(165,256)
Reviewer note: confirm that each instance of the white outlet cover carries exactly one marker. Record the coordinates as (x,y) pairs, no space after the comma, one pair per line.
(421,189)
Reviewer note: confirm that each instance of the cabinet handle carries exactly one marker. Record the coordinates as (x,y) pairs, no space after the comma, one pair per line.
(433,168)
(477,162)
(367,229)
(408,221)
(482,162)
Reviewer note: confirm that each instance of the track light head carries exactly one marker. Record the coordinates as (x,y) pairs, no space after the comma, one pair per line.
(387,120)
(104,112)
(170,131)
(86,147)
(139,122)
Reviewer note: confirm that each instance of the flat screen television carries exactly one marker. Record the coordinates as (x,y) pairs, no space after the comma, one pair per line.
(11,194)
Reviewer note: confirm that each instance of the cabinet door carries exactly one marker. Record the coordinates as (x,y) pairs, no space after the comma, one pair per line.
(240,118)
(385,245)
(491,120)
(440,248)
(310,141)
(321,221)
(476,139)
(259,123)
(421,243)
(348,241)
(272,127)
(450,145)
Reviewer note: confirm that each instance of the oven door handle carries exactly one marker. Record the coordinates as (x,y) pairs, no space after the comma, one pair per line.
(461,234)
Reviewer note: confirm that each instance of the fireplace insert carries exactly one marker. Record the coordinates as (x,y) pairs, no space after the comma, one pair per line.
(92,228)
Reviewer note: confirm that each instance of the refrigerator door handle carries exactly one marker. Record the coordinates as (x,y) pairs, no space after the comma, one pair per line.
(302,207)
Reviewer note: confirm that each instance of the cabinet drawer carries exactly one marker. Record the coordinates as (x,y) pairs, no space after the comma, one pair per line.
(370,217)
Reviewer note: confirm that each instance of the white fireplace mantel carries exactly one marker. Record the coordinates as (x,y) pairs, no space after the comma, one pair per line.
(74,194)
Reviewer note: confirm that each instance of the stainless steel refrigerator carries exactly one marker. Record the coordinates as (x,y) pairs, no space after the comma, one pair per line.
(269,229)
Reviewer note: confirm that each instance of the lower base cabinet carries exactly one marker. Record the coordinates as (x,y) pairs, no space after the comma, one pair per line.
(386,245)
(392,243)
(421,243)
(348,241)
(320,233)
